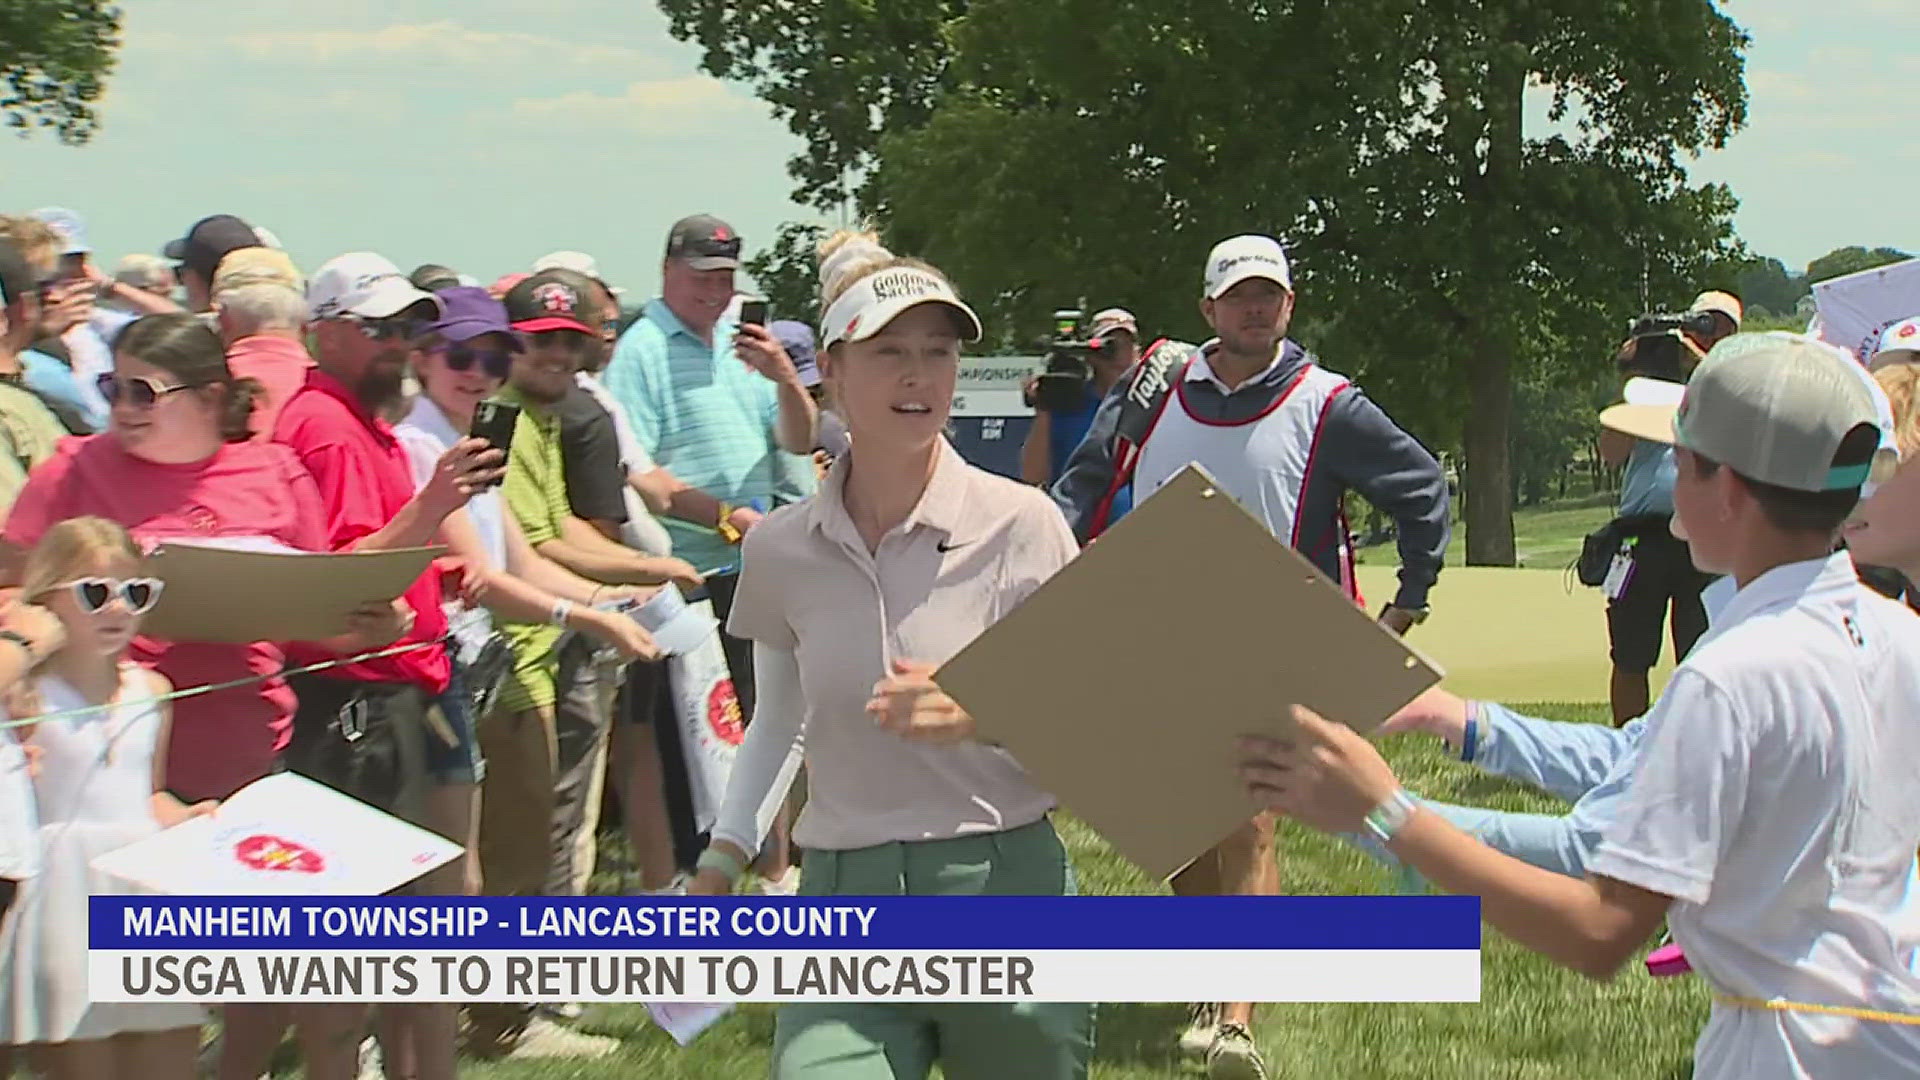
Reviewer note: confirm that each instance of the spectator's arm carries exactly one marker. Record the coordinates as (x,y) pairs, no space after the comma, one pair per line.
(348,492)
(1565,759)
(1372,455)
(584,551)
(543,573)
(798,418)
(1090,471)
(1035,461)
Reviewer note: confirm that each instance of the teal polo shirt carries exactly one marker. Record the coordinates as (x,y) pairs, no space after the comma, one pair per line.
(706,417)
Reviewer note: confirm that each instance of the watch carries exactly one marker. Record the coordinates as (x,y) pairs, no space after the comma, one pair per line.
(725,528)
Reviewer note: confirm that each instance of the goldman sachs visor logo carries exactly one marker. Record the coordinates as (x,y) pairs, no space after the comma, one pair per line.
(896,284)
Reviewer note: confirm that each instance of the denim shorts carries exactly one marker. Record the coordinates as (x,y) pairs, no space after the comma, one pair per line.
(461,762)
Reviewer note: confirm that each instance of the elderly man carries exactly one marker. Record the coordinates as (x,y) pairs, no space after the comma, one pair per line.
(262,314)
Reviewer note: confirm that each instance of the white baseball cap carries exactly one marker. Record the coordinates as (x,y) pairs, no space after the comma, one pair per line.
(1113,319)
(577,261)
(1899,344)
(871,303)
(364,284)
(1723,302)
(1234,261)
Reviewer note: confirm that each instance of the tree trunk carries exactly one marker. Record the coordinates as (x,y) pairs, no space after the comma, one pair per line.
(1489,473)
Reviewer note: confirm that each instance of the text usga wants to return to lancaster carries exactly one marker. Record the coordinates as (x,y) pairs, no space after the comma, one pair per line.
(457,921)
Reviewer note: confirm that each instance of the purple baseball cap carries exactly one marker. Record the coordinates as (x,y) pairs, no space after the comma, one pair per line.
(797,339)
(467,312)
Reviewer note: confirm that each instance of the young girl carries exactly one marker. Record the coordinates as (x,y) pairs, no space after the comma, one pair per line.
(100,786)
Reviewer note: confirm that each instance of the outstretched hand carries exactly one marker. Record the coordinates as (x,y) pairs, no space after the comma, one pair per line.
(1325,775)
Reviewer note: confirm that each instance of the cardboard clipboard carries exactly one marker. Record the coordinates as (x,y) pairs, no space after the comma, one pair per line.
(226,594)
(1122,684)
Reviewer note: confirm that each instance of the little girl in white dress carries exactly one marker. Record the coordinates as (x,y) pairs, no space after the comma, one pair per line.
(99,787)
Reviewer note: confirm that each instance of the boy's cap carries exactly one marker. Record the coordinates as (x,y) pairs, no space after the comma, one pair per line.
(1778,408)
(1899,344)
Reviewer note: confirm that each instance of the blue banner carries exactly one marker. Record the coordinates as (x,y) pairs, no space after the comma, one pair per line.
(1005,923)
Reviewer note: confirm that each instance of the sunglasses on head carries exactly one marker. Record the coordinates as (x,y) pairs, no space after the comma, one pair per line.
(136,390)
(496,363)
(393,328)
(93,594)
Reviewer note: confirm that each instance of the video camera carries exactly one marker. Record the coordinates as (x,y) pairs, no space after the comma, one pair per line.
(1062,386)
(1657,349)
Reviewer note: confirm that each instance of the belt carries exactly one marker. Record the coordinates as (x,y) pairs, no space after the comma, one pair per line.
(1777,1005)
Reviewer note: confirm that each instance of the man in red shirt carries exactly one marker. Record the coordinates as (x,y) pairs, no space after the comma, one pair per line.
(359,726)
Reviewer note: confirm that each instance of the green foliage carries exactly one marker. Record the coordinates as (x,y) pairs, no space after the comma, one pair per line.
(55,56)
(1039,150)
(786,273)
(1851,260)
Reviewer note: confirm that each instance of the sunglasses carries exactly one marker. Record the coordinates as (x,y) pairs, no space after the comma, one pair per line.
(389,329)
(138,390)
(93,594)
(496,363)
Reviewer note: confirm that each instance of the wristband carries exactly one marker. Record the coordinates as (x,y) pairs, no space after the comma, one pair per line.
(1386,820)
(562,610)
(728,866)
(1470,739)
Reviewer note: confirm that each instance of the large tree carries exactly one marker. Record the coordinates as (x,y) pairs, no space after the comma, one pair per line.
(786,274)
(1851,260)
(54,58)
(1041,149)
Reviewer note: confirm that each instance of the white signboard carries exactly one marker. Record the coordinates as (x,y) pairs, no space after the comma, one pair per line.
(285,835)
(1853,311)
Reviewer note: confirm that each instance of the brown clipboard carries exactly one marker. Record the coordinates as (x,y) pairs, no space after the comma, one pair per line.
(1122,683)
(229,595)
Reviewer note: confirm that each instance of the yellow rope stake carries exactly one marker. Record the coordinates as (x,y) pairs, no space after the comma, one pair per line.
(1777,1005)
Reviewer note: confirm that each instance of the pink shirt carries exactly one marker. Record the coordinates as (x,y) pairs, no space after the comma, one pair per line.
(279,365)
(364,481)
(227,739)
(975,547)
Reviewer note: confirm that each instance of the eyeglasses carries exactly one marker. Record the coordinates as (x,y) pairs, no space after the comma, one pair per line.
(93,594)
(388,329)
(496,363)
(137,390)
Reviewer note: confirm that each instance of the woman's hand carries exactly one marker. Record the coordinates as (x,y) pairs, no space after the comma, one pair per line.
(909,704)
(169,811)
(1325,775)
(626,637)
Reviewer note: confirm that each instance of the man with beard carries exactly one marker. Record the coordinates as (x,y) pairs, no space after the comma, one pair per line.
(358,726)
(543,739)
(1287,439)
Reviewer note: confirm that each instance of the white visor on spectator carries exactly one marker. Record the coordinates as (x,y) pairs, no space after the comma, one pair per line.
(871,303)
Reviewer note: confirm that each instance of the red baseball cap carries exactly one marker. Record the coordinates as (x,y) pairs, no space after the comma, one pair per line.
(547,301)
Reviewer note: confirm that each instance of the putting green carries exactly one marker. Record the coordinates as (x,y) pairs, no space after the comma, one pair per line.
(1512,635)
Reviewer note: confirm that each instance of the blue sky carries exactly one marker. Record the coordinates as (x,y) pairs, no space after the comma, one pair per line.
(484,133)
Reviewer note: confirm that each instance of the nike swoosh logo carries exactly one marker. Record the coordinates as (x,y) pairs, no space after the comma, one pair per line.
(946,546)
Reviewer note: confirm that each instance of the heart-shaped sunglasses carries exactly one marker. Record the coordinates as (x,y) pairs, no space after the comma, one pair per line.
(139,594)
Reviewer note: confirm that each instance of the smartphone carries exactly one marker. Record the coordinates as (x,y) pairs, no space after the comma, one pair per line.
(753,313)
(494,421)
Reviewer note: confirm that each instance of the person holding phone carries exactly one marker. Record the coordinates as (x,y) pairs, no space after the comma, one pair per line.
(721,408)
(907,554)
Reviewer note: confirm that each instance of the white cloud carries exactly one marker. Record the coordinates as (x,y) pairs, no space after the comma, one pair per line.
(658,107)
(443,41)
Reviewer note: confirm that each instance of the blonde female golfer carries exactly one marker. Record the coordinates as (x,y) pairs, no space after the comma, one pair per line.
(851,598)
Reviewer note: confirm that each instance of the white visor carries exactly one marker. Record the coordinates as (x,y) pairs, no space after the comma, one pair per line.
(871,303)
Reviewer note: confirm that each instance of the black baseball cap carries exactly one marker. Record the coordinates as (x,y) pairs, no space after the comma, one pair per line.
(16,277)
(705,242)
(433,277)
(209,241)
(550,300)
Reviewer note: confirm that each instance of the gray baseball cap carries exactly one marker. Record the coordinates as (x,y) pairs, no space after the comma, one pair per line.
(1779,408)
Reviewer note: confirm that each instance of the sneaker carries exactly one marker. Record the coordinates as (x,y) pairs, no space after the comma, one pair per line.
(1203,1023)
(676,887)
(565,1012)
(545,1039)
(1233,1055)
(372,1065)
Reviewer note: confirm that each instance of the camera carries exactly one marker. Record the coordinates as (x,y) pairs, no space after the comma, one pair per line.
(1062,386)
(1658,350)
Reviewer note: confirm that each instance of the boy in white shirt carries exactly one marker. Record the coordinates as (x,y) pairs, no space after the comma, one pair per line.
(1775,813)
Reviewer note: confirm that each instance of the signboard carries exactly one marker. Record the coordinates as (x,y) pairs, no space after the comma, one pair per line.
(1853,311)
(990,413)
